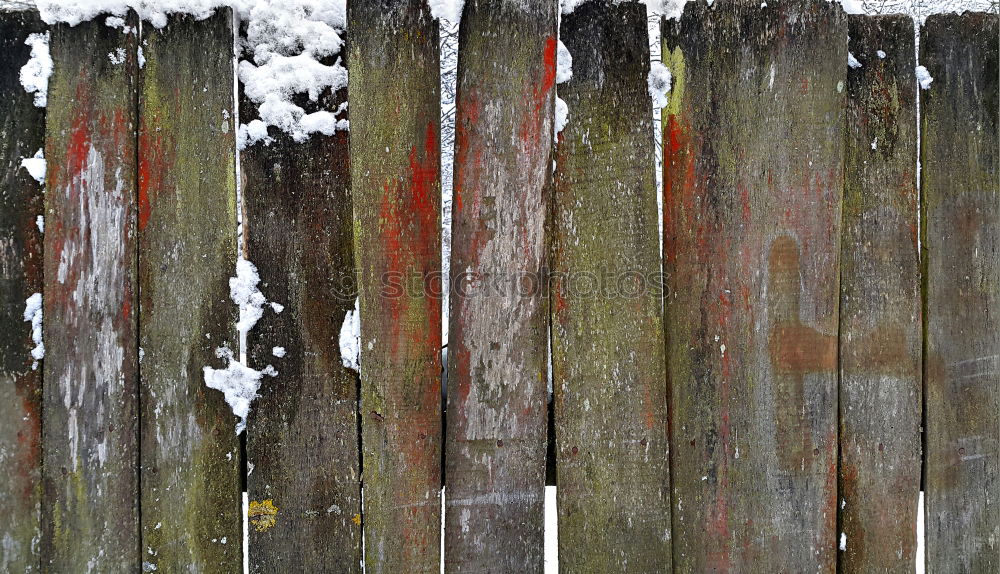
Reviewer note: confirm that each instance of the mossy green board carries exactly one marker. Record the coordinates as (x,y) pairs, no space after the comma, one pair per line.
(608,373)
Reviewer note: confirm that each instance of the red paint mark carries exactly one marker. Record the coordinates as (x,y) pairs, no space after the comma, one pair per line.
(78,148)
(674,133)
(549,57)
(145,178)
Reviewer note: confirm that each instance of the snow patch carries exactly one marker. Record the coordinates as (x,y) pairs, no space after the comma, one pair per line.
(35,166)
(924,78)
(243,291)
(278,352)
(658,82)
(564,64)
(40,223)
(238,383)
(562,114)
(843,541)
(852,6)
(33,313)
(852,61)
(448,10)
(350,338)
(35,74)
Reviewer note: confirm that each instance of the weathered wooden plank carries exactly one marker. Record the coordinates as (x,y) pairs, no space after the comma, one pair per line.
(607,327)
(191,491)
(497,401)
(90,512)
(880,299)
(22,133)
(960,155)
(302,433)
(753,182)
(396,186)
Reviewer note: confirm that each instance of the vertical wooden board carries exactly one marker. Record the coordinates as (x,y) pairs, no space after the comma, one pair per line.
(960,156)
(302,433)
(396,186)
(753,182)
(497,400)
(22,133)
(880,328)
(90,511)
(191,491)
(607,328)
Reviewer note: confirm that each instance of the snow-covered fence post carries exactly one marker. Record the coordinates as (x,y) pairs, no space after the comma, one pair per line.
(395,180)
(753,182)
(497,400)
(608,369)
(960,153)
(302,434)
(880,329)
(90,509)
(191,486)
(22,126)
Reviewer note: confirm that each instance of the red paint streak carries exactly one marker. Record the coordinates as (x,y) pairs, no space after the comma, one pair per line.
(423,174)
(549,79)
(409,228)
(145,178)
(674,133)
(549,57)
(78,148)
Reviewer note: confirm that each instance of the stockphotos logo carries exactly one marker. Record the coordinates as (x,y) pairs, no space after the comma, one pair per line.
(471,284)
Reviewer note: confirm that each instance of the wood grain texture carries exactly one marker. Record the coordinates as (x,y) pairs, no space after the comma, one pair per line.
(90,511)
(607,328)
(22,133)
(302,433)
(191,492)
(497,400)
(880,300)
(753,182)
(396,186)
(960,154)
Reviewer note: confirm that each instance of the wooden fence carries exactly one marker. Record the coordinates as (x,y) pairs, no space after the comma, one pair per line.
(816,344)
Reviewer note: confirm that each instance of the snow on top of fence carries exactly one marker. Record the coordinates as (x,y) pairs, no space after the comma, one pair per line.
(286,44)
(287,48)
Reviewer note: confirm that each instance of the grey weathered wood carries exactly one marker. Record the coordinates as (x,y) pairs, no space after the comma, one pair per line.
(90,511)
(395,180)
(960,154)
(302,433)
(607,343)
(880,299)
(753,180)
(497,400)
(191,491)
(22,133)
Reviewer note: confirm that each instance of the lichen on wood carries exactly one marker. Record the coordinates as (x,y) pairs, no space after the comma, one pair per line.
(191,487)
(608,373)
